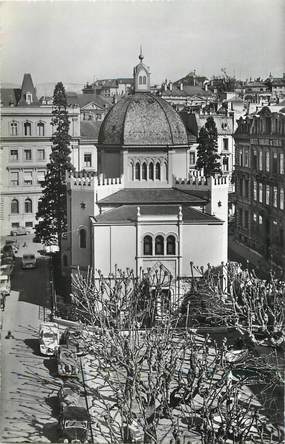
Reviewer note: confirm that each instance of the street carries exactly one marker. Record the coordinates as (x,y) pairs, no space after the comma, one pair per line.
(27,400)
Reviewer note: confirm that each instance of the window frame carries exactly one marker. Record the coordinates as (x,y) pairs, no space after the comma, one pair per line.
(82,238)
(39,152)
(26,151)
(144,171)
(26,126)
(28,205)
(13,128)
(275,197)
(11,155)
(30,181)
(147,242)
(11,181)
(159,243)
(12,207)
(40,129)
(157,171)
(87,164)
(137,171)
(173,244)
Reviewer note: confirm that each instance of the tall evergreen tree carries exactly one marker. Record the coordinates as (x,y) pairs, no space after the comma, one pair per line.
(53,204)
(207,151)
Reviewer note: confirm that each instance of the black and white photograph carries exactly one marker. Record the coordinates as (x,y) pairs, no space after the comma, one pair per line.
(142,221)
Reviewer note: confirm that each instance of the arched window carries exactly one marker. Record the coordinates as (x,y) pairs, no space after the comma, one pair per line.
(144,80)
(165,171)
(41,129)
(140,80)
(28,206)
(131,171)
(159,245)
(144,171)
(170,245)
(147,246)
(157,171)
(82,238)
(14,129)
(27,129)
(138,171)
(14,206)
(151,175)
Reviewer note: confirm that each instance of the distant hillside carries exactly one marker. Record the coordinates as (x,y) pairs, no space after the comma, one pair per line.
(47,88)
(191,79)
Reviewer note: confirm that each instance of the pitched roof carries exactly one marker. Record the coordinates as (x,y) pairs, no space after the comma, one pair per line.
(194,122)
(128,214)
(83,99)
(137,196)
(10,96)
(89,129)
(188,90)
(28,87)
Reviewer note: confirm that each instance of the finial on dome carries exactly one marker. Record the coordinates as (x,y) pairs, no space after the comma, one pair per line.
(141,57)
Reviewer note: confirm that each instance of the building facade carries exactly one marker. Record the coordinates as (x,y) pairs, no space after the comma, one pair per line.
(26,133)
(144,210)
(260,184)
(225,141)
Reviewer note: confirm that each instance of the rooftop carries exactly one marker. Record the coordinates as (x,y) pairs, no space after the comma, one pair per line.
(89,129)
(187,91)
(139,196)
(142,119)
(128,214)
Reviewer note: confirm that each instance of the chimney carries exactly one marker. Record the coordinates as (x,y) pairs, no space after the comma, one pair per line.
(170,86)
(194,77)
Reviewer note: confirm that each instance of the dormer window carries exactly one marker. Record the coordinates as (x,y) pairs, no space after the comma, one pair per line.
(29,98)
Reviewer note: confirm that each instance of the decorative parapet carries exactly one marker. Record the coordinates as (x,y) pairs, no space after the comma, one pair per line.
(79,179)
(197,180)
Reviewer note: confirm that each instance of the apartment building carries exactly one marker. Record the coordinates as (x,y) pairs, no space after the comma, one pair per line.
(26,133)
(260,183)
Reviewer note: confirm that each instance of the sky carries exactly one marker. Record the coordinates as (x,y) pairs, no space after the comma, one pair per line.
(79,41)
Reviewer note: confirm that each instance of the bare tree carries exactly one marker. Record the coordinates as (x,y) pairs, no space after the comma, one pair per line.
(254,307)
(154,377)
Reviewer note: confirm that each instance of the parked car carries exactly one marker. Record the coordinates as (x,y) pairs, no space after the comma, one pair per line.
(29,261)
(7,260)
(49,338)
(252,375)
(235,356)
(5,285)
(7,269)
(50,249)
(14,244)
(70,395)
(8,251)
(76,339)
(74,425)
(19,231)
(67,362)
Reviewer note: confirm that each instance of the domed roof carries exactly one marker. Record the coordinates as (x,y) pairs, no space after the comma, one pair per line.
(142,119)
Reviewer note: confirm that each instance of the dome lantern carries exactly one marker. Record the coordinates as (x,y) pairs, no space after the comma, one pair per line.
(141,75)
